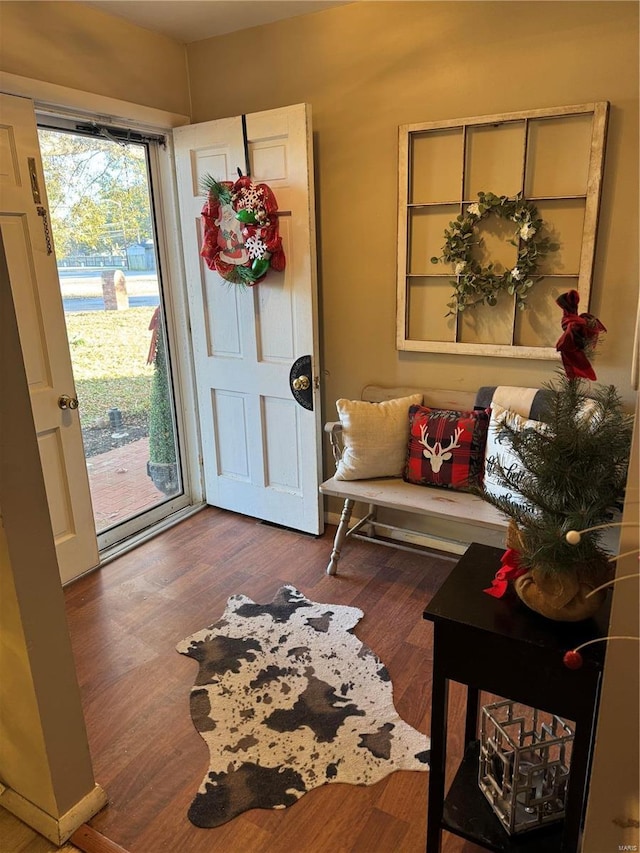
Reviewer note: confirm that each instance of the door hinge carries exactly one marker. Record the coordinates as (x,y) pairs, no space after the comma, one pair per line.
(33,178)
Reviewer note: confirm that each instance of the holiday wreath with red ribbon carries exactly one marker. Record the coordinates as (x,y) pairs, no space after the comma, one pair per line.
(241,240)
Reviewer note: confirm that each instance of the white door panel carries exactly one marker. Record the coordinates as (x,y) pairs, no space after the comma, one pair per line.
(34,283)
(261,450)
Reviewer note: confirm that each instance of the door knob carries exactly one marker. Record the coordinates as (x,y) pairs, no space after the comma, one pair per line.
(301,383)
(67,402)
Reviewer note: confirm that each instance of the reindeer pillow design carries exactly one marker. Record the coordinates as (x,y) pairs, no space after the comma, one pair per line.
(446,448)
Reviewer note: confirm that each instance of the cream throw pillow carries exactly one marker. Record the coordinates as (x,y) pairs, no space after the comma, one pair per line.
(375,437)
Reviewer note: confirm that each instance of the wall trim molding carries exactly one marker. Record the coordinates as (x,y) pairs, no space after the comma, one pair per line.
(56,829)
(52,95)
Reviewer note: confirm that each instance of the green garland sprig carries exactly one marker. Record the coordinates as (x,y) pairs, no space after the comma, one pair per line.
(210,186)
(474,284)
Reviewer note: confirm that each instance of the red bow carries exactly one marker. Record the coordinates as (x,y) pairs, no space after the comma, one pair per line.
(511,569)
(580,334)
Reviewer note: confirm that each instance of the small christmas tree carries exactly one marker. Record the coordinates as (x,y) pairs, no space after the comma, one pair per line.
(162,467)
(572,474)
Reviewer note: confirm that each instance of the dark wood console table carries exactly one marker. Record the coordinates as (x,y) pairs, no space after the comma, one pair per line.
(501,647)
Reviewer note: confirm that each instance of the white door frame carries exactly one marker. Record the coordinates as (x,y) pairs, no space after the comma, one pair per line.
(59,101)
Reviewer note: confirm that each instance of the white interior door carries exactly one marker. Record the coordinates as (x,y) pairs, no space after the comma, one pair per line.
(261,449)
(36,294)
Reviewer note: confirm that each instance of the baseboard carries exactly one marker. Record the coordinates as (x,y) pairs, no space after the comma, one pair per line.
(405,537)
(57,830)
(89,840)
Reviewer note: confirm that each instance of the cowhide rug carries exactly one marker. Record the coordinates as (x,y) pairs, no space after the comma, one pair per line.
(287,699)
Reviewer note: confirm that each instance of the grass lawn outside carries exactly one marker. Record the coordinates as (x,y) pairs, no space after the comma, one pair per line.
(109,352)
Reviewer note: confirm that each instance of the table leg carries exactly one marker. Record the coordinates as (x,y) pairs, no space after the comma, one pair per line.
(575,804)
(471,722)
(439,709)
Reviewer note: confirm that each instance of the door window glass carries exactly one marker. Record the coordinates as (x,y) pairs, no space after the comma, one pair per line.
(99,195)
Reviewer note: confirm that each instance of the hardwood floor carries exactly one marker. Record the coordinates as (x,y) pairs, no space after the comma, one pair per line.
(125,621)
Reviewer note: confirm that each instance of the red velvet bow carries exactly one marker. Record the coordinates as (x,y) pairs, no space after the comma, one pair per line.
(580,333)
(511,569)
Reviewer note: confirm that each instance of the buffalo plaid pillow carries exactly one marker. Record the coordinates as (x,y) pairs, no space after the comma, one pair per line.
(446,448)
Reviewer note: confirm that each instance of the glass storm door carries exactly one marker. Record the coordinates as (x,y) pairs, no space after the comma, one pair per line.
(99,191)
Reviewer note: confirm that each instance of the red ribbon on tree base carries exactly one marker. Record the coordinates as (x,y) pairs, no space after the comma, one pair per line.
(580,334)
(511,569)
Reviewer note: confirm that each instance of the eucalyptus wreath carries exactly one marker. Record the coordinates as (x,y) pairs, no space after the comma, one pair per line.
(474,284)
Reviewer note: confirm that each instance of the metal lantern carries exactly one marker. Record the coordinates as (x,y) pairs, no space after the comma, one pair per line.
(524,765)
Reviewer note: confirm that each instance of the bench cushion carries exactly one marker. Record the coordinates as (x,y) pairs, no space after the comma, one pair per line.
(375,437)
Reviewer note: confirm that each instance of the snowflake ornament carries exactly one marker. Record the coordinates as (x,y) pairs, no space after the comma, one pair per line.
(255,246)
(251,197)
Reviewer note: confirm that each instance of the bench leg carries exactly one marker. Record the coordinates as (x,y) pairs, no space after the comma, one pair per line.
(373,511)
(341,535)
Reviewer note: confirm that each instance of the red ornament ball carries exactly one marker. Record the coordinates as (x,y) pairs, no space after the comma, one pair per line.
(572,660)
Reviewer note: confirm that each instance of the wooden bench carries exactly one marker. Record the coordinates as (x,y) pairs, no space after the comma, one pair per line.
(391,493)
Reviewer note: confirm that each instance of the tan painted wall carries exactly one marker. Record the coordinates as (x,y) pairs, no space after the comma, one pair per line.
(368,67)
(73,45)
(613,816)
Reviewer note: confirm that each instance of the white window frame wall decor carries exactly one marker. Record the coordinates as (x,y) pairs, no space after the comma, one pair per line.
(587,200)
